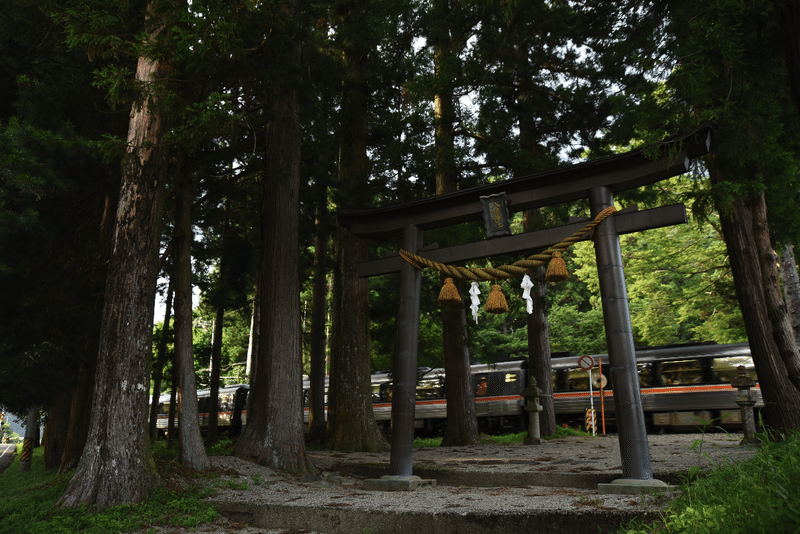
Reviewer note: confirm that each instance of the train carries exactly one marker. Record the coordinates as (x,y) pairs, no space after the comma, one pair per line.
(683,387)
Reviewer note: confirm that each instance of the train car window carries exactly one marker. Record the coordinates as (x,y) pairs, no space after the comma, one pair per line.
(428,389)
(376,393)
(681,372)
(577,380)
(496,384)
(645,375)
(481,385)
(513,384)
(559,380)
(226,403)
(726,369)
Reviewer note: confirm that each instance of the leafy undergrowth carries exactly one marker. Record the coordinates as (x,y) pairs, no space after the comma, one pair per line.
(28,502)
(759,495)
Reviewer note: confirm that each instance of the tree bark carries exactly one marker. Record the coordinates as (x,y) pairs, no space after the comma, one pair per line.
(778,314)
(539,363)
(56,429)
(79,419)
(216,340)
(781,399)
(161,361)
(462,424)
(215,362)
(274,435)
(255,326)
(116,466)
(351,421)
(192,453)
(791,286)
(173,404)
(316,393)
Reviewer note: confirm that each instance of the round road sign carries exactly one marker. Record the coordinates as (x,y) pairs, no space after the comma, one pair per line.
(586,362)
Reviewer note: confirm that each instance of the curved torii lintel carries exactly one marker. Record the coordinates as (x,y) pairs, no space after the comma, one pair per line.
(618,173)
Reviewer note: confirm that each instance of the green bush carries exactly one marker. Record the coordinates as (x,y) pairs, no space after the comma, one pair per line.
(759,495)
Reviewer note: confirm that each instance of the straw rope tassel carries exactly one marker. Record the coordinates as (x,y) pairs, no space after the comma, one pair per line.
(496,301)
(449,296)
(556,269)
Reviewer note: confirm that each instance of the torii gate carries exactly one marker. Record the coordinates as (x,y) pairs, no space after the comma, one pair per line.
(596,180)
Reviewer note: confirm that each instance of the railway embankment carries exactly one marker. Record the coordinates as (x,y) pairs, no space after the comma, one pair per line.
(500,488)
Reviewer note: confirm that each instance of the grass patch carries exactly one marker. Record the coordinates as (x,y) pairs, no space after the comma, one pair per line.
(224,447)
(419,443)
(566,432)
(759,495)
(28,505)
(562,432)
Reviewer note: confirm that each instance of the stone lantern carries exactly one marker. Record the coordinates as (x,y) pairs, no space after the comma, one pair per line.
(746,402)
(532,406)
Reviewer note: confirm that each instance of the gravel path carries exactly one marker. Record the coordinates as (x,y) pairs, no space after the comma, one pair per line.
(557,477)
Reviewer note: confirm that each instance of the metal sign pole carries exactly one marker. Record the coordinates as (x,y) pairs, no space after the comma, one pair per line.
(602,395)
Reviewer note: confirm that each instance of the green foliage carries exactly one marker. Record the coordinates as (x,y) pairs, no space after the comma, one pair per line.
(28,506)
(13,437)
(579,332)
(724,67)
(761,495)
(679,284)
(223,447)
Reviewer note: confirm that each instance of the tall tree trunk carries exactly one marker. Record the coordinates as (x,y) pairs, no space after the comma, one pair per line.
(172,413)
(116,466)
(462,423)
(215,362)
(161,361)
(316,393)
(539,352)
(216,340)
(255,328)
(274,435)
(781,399)
(192,453)
(782,331)
(351,421)
(791,286)
(56,429)
(539,363)
(79,421)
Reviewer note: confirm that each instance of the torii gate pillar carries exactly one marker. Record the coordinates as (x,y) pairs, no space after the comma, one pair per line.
(404,390)
(631,432)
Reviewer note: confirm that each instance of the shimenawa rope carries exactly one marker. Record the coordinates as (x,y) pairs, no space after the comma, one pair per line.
(555,272)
